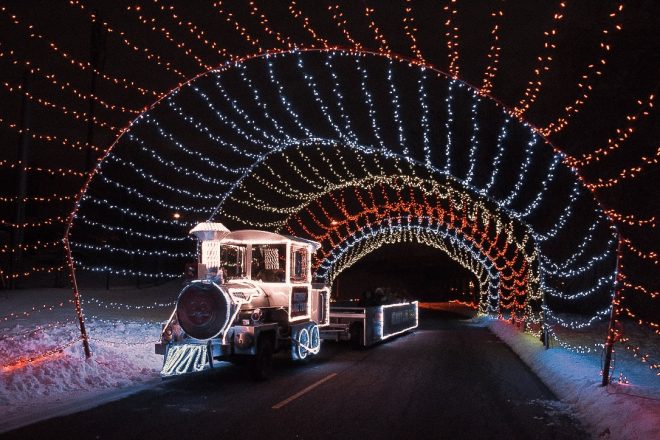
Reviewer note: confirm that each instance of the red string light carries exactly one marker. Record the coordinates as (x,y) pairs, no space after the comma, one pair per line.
(63,141)
(342,23)
(30,67)
(160,29)
(82,65)
(267,27)
(452,37)
(81,116)
(627,173)
(542,64)
(586,80)
(493,53)
(298,14)
(411,31)
(622,134)
(242,31)
(149,54)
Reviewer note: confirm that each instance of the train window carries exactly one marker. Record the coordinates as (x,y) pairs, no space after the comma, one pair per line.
(233,261)
(299,265)
(269,263)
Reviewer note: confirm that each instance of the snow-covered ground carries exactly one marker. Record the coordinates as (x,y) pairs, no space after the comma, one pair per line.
(34,322)
(618,411)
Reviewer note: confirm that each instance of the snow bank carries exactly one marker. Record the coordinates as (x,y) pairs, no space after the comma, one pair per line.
(618,411)
(121,339)
(123,356)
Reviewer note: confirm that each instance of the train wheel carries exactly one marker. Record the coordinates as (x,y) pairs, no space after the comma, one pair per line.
(262,364)
(314,339)
(303,343)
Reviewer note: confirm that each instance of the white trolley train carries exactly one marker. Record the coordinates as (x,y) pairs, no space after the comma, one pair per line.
(253,297)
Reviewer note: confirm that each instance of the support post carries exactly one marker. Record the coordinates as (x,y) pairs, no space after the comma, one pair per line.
(76,297)
(612,331)
(545,327)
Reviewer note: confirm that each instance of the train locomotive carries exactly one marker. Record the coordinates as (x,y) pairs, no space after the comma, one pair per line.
(253,296)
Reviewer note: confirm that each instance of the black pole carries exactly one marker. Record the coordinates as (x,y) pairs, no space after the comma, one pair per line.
(612,330)
(76,297)
(23,156)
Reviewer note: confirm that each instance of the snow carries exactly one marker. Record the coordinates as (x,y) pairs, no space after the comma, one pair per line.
(618,411)
(122,337)
(121,341)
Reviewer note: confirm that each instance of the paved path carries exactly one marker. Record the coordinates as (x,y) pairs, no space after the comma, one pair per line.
(447,380)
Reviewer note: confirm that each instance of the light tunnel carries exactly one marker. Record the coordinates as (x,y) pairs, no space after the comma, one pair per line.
(502,251)
(277,141)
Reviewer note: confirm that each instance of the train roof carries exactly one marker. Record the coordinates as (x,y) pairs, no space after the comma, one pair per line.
(217,231)
(265,237)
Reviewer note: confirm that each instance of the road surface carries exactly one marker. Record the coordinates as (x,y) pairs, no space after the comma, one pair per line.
(448,380)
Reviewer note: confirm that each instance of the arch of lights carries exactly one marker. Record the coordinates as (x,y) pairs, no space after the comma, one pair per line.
(458,249)
(188,157)
(416,213)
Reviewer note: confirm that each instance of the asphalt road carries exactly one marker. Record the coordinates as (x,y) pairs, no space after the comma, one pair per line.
(447,380)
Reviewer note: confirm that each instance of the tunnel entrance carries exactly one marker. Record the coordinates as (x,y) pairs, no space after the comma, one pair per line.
(412,270)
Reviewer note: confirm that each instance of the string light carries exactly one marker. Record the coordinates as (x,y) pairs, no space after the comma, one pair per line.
(121,306)
(165,33)
(474,138)
(630,219)
(297,13)
(63,172)
(149,54)
(32,271)
(32,311)
(614,143)
(542,64)
(410,30)
(34,69)
(266,26)
(627,173)
(79,116)
(587,78)
(28,246)
(652,256)
(229,18)
(196,31)
(46,199)
(341,23)
(452,37)
(37,358)
(35,224)
(379,38)
(493,53)
(82,65)
(51,138)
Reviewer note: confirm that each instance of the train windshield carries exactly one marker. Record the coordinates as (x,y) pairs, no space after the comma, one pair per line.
(269,263)
(232,259)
